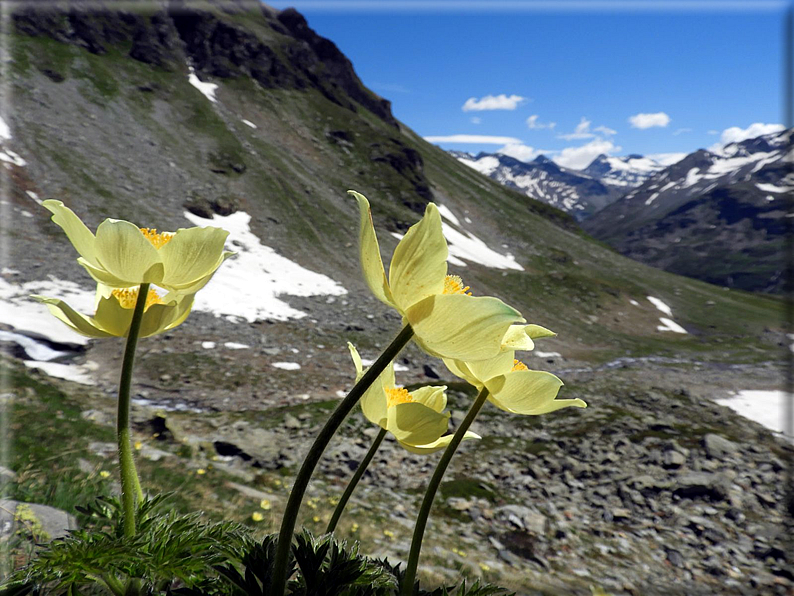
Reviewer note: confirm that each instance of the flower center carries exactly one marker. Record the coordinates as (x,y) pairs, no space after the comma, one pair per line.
(158,239)
(453,284)
(518,365)
(397,395)
(127,297)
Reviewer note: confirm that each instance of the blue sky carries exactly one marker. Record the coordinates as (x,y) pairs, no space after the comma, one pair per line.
(685,71)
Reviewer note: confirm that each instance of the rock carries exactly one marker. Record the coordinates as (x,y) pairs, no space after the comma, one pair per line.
(718,447)
(673,459)
(6,476)
(291,423)
(701,485)
(40,522)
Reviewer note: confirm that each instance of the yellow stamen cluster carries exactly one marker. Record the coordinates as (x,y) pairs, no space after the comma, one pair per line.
(158,239)
(453,284)
(127,297)
(518,365)
(397,395)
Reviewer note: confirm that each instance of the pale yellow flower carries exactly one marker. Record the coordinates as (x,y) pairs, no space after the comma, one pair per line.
(512,386)
(114,312)
(447,321)
(416,418)
(122,255)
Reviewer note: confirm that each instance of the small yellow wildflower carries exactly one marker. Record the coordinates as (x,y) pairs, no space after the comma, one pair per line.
(104,474)
(354,528)
(484,567)
(138,445)
(316,519)
(264,504)
(257,517)
(389,534)
(201,471)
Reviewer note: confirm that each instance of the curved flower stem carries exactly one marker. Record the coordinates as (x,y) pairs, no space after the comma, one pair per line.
(334,421)
(130,485)
(351,486)
(407,588)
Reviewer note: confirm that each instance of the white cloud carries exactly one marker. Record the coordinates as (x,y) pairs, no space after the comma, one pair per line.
(493,102)
(522,152)
(532,122)
(605,130)
(649,120)
(582,131)
(476,120)
(681,131)
(734,134)
(713,132)
(578,158)
(485,139)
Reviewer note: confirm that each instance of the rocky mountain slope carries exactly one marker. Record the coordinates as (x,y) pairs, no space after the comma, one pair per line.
(580,193)
(240,116)
(722,209)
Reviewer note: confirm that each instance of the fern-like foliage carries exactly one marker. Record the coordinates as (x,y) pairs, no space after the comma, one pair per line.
(168,550)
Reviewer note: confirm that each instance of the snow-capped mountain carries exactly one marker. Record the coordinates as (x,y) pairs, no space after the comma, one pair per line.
(580,193)
(727,204)
(627,172)
(571,191)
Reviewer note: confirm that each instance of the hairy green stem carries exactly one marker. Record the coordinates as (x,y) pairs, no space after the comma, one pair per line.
(130,485)
(334,421)
(407,588)
(351,486)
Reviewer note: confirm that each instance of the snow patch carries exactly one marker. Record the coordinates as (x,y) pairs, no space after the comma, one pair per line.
(286,365)
(661,306)
(24,314)
(765,407)
(772,188)
(9,156)
(669,325)
(249,123)
(448,215)
(249,285)
(208,345)
(546,354)
(634,302)
(70,372)
(465,245)
(235,346)
(484,165)
(34,196)
(207,89)
(5,130)
(652,198)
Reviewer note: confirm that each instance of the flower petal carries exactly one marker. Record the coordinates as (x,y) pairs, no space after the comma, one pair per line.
(82,324)
(374,404)
(461,369)
(79,235)
(123,250)
(191,255)
(483,370)
(517,338)
(419,264)
(461,327)
(538,332)
(160,317)
(180,313)
(105,278)
(528,392)
(438,444)
(433,397)
(371,263)
(416,424)
(193,287)
(113,317)
(356,361)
